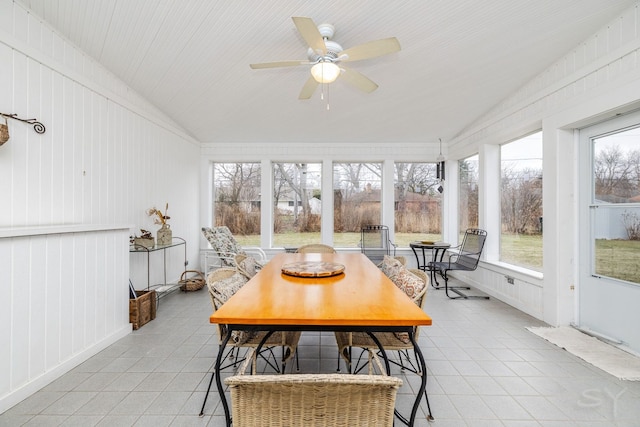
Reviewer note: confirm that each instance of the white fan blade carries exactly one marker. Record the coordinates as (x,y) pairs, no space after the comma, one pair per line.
(309,32)
(308,88)
(371,49)
(358,80)
(276,64)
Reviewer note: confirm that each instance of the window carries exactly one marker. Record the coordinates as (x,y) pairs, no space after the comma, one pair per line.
(417,203)
(357,200)
(236,197)
(615,204)
(467,194)
(521,202)
(297,204)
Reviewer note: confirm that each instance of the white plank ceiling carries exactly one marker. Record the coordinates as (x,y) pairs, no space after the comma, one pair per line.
(459,58)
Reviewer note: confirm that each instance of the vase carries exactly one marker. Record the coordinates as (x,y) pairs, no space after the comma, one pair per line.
(164,235)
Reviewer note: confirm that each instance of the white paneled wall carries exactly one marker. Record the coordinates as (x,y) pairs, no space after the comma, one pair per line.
(62,300)
(525,293)
(106,156)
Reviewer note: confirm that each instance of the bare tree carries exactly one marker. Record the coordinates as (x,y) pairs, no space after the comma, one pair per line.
(633,158)
(359,200)
(521,199)
(612,171)
(417,201)
(292,179)
(236,181)
(348,178)
(468,196)
(416,178)
(237,187)
(352,175)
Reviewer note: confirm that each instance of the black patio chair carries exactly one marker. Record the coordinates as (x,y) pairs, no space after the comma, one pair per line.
(464,258)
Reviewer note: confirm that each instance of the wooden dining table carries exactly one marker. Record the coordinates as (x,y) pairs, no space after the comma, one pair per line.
(358,298)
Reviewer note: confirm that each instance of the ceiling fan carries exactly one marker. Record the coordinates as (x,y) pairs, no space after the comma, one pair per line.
(324,55)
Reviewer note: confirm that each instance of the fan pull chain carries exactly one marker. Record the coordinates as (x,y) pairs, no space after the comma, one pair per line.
(322,94)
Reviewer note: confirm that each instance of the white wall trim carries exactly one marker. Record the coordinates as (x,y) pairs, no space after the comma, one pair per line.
(58,229)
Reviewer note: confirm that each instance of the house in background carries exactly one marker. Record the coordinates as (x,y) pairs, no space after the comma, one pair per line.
(138,103)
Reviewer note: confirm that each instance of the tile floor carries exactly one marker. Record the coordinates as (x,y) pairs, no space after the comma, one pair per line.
(485,369)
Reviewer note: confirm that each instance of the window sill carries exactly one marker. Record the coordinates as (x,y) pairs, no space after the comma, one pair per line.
(505,268)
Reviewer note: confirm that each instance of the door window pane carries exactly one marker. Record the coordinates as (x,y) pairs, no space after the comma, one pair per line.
(616,205)
(616,167)
(236,188)
(521,202)
(417,203)
(357,200)
(297,204)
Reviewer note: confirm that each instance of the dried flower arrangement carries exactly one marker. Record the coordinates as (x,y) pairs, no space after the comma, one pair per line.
(161,218)
(145,234)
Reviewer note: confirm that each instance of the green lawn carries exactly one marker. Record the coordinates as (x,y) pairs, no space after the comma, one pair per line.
(618,259)
(522,250)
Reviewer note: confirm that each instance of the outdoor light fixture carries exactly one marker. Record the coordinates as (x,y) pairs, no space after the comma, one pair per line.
(440,164)
(440,168)
(325,72)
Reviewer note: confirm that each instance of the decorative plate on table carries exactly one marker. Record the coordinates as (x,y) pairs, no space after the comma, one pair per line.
(313,269)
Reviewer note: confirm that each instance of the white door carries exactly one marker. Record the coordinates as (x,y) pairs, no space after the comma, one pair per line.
(609,267)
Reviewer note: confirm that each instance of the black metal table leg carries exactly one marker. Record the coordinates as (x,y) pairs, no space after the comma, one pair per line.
(387,366)
(216,374)
(423,384)
(422,266)
(439,248)
(223,398)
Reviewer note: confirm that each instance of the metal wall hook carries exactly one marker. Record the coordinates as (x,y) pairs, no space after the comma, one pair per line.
(37,126)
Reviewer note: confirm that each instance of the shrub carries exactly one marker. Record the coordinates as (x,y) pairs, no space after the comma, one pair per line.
(239,221)
(631,223)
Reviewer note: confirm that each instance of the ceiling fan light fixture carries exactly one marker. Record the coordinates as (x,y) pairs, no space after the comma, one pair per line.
(325,72)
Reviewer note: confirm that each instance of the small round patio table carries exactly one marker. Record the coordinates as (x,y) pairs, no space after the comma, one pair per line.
(424,264)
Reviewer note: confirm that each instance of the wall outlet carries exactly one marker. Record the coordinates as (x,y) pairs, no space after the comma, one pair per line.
(510,280)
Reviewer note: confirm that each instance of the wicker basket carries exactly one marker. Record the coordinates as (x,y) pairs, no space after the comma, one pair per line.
(142,309)
(4,132)
(193,283)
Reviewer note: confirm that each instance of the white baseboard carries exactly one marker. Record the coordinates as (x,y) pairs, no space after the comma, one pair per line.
(19,394)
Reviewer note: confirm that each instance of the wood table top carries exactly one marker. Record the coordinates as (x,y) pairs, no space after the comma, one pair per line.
(361,296)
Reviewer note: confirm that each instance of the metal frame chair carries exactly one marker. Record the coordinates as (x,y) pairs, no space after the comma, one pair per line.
(375,242)
(287,340)
(463,258)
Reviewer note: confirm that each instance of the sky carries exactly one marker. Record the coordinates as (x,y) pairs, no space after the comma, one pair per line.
(627,140)
(526,151)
